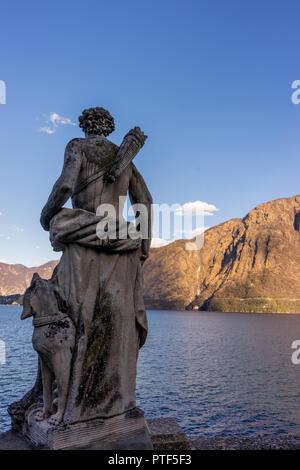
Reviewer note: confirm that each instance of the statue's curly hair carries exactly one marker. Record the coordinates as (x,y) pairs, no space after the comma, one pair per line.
(96,121)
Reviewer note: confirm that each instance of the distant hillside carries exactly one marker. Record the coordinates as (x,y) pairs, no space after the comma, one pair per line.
(246,265)
(15,278)
(15,299)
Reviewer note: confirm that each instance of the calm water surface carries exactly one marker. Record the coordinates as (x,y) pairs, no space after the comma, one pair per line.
(219,374)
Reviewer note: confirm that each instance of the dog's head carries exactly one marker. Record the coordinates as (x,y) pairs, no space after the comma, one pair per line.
(43,296)
(27,310)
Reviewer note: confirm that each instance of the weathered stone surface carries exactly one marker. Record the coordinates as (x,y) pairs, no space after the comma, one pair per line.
(159,433)
(128,428)
(11,441)
(166,434)
(138,441)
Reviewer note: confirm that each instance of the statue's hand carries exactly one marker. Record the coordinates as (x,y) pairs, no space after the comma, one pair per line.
(45,223)
(138,133)
(143,258)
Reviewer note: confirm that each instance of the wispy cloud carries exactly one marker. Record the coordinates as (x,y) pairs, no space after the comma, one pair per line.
(53,122)
(56,119)
(188,222)
(12,233)
(47,130)
(6,237)
(196,208)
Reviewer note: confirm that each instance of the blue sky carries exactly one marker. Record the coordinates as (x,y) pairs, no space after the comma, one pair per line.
(208,81)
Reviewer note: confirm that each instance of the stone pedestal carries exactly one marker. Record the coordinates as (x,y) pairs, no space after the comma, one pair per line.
(128,431)
(166,434)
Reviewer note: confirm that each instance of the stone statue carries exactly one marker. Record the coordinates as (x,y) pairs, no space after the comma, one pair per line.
(89,318)
(53,339)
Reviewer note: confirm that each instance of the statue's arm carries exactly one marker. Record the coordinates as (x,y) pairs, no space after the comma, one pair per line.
(139,194)
(65,184)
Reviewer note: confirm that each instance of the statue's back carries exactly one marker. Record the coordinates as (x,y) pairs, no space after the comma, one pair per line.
(98,155)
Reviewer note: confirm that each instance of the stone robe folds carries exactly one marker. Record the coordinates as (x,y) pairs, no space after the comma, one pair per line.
(102,283)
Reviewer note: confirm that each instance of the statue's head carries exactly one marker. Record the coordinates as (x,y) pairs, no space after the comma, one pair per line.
(96,121)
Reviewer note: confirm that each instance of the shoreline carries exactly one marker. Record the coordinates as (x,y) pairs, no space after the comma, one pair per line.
(194,311)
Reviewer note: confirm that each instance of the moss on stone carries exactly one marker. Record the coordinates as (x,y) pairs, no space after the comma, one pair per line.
(96,383)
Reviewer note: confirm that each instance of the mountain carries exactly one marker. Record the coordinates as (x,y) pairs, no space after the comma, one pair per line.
(246,265)
(15,278)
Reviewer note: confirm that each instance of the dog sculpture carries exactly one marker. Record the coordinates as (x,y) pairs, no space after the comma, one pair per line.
(53,339)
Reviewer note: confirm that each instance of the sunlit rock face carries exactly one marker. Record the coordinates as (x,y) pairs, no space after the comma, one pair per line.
(250,264)
(15,278)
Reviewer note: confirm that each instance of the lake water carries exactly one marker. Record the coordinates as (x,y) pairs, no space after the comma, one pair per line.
(218,374)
